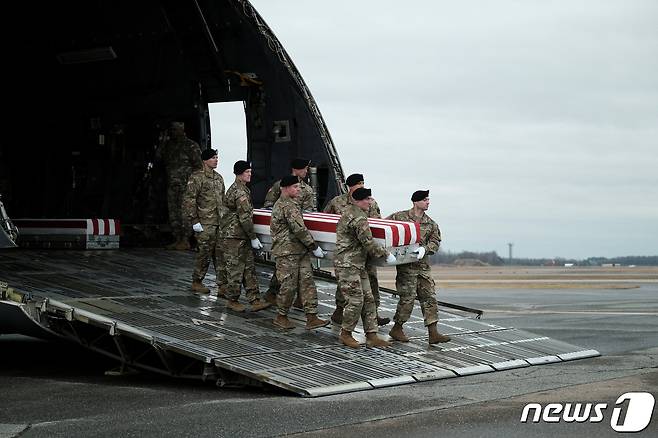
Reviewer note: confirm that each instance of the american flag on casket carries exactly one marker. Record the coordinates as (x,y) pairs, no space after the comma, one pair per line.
(399,238)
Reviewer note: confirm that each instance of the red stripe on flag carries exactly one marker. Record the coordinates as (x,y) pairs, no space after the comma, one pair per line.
(106,222)
(407,228)
(315,225)
(94,227)
(260,219)
(396,235)
(378,233)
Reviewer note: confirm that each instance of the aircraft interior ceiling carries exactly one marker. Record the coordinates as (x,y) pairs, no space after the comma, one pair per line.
(98,82)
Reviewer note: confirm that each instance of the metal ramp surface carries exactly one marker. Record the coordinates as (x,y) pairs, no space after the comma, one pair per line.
(137,302)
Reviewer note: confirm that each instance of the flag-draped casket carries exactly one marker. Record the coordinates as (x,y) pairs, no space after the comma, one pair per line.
(69,233)
(399,238)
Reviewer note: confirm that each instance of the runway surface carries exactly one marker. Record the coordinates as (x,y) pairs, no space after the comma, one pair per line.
(50,391)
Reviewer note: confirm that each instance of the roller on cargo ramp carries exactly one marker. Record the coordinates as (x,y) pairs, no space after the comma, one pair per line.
(135,306)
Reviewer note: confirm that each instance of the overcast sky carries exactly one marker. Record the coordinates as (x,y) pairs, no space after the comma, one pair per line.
(531,122)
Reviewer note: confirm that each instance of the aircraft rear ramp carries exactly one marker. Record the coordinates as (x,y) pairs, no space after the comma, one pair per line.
(134,305)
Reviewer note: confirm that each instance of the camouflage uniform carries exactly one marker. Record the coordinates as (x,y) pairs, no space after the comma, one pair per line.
(306,202)
(341,202)
(204,203)
(181,156)
(338,206)
(414,280)
(291,244)
(238,233)
(354,244)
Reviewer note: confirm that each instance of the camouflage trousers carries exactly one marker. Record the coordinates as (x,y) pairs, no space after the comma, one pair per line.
(208,242)
(374,287)
(220,266)
(412,284)
(275,284)
(296,275)
(240,269)
(355,286)
(180,228)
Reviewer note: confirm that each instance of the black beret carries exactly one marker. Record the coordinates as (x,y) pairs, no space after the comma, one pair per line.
(289,180)
(361,193)
(419,195)
(299,163)
(240,166)
(354,179)
(208,154)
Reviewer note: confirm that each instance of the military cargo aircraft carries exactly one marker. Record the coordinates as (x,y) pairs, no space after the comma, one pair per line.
(95,85)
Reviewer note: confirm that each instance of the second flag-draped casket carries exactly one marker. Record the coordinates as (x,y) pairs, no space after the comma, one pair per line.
(399,238)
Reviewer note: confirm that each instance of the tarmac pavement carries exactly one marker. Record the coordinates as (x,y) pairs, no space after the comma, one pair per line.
(50,390)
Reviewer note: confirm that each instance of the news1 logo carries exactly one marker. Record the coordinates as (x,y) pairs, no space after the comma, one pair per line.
(632,412)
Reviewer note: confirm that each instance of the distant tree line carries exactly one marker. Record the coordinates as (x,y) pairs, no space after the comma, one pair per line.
(626,260)
(467,258)
(491,258)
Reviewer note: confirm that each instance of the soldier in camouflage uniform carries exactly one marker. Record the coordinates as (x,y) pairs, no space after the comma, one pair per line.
(306,199)
(204,207)
(414,280)
(306,202)
(239,239)
(181,157)
(292,245)
(354,244)
(337,206)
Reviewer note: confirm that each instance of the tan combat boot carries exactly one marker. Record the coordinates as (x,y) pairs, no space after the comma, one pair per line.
(298,303)
(235,306)
(372,340)
(398,334)
(259,304)
(283,322)
(434,336)
(337,316)
(346,338)
(197,286)
(313,322)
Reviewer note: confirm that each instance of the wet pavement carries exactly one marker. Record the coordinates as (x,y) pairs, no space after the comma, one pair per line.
(50,390)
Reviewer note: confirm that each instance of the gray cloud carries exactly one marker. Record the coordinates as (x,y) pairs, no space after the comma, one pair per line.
(532,122)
